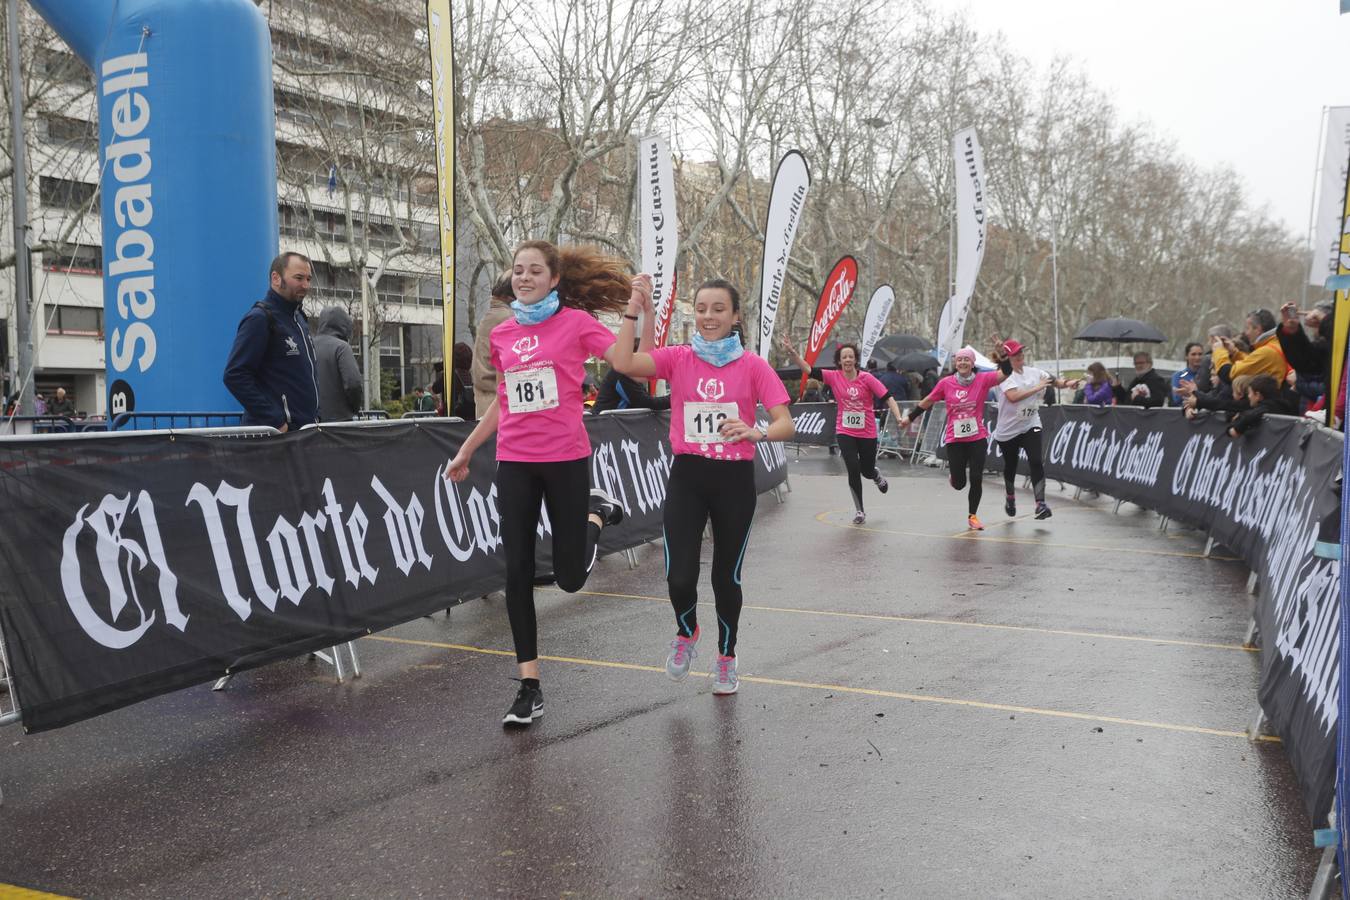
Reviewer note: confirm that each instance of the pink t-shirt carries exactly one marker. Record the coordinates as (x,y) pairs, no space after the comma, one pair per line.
(853,402)
(539,397)
(703,395)
(965,405)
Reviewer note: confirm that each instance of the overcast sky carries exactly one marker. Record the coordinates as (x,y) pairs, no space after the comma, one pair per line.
(1235,82)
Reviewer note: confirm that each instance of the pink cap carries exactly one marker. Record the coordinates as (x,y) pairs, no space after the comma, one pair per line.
(967,352)
(1012,348)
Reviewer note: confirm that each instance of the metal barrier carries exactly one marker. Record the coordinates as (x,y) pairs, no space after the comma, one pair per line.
(151,421)
(419,414)
(367,415)
(23,425)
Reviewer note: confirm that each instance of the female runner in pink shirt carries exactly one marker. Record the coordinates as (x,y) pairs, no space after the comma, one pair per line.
(715,385)
(966,437)
(543,452)
(855,424)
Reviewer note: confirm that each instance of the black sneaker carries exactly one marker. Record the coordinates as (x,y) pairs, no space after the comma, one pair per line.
(529,706)
(606,507)
(1042,511)
(1010,505)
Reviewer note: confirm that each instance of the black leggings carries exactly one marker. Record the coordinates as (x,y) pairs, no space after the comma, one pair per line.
(1030,441)
(968,457)
(860,458)
(564,490)
(724,491)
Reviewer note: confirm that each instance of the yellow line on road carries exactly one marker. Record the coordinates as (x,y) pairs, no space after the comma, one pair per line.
(976,536)
(879,617)
(845,689)
(14,892)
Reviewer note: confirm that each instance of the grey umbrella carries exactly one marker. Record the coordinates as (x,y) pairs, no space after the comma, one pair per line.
(1121,331)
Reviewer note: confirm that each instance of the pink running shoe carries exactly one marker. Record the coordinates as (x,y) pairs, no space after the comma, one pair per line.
(682,653)
(724,675)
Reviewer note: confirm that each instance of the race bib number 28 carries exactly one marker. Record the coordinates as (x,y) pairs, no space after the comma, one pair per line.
(964,427)
(531,390)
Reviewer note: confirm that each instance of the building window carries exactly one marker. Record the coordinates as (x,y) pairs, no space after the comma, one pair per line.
(85,321)
(62,193)
(81,134)
(79,259)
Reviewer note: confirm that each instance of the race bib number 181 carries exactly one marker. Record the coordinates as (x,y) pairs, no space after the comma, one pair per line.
(531,390)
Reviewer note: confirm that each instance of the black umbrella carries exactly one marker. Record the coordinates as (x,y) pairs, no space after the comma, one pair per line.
(894,345)
(1121,331)
(915,362)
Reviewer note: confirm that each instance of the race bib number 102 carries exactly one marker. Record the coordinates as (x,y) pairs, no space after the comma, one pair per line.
(853,418)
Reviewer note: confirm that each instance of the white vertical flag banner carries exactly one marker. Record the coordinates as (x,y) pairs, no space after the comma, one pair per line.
(787,199)
(1331,197)
(878,308)
(970,234)
(660,227)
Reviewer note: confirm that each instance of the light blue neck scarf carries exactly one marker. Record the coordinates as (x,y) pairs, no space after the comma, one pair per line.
(534,313)
(718,353)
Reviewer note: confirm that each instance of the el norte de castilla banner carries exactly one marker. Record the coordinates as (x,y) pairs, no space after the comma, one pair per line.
(142,563)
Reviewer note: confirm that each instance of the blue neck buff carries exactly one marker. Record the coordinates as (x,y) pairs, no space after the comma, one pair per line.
(534,313)
(718,353)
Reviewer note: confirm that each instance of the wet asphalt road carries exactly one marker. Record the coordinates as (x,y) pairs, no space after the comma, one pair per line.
(1047,709)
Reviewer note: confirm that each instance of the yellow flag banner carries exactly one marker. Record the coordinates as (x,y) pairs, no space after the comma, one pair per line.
(441,45)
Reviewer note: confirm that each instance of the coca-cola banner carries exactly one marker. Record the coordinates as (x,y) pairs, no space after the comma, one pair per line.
(138,564)
(1270,497)
(834,297)
(660,228)
(787,200)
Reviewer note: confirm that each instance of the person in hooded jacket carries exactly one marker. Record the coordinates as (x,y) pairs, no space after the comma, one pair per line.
(335,365)
(270,370)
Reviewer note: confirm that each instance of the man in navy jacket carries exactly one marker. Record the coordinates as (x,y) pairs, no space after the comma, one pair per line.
(271,366)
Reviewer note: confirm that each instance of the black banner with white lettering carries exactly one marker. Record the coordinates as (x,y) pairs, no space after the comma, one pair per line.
(1269,497)
(814,423)
(139,564)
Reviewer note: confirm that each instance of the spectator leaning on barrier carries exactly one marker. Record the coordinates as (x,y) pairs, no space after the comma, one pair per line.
(484,375)
(1307,345)
(335,366)
(1195,355)
(1264,395)
(61,405)
(1265,357)
(1148,389)
(618,391)
(271,366)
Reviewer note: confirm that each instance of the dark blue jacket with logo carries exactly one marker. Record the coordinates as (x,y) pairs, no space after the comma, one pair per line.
(271,366)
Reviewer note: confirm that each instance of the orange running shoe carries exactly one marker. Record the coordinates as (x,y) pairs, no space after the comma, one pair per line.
(974,522)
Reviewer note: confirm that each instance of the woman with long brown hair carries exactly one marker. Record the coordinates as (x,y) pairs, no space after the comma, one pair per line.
(543,450)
